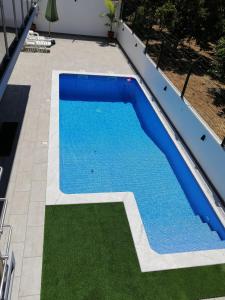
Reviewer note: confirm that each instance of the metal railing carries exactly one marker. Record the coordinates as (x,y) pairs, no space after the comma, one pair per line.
(3,213)
(13,18)
(7,260)
(185,65)
(8,264)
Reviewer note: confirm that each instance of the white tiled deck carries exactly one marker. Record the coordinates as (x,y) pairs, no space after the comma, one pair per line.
(26,191)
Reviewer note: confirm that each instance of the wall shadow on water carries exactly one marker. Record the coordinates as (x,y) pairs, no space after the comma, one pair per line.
(12,111)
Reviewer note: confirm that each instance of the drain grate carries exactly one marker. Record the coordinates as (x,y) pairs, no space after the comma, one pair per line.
(7,135)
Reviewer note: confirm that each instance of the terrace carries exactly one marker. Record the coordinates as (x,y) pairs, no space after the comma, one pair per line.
(101,261)
(26,192)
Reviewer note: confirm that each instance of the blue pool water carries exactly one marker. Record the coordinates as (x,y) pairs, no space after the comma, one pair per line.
(111,140)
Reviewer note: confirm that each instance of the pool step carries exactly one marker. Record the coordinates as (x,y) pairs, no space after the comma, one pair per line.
(164,211)
(181,235)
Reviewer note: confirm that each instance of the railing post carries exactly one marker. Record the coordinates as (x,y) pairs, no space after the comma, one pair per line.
(188,77)
(134,21)
(4,28)
(146,46)
(15,20)
(223,143)
(160,54)
(121,9)
(22,11)
(27,7)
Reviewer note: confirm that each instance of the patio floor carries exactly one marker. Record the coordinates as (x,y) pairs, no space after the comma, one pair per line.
(10,38)
(27,101)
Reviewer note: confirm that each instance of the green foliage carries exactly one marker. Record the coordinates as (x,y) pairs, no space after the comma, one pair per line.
(220,51)
(140,21)
(111,15)
(110,6)
(203,20)
(200,19)
(167,15)
(219,66)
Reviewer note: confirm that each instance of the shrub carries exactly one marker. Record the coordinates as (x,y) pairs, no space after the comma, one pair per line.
(219,65)
(166,14)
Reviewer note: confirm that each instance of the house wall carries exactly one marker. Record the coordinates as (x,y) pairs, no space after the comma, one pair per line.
(75,17)
(209,153)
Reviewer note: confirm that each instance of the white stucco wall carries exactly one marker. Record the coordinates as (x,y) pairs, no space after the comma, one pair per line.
(75,17)
(209,153)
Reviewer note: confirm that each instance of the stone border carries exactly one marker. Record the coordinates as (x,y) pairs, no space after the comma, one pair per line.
(149,260)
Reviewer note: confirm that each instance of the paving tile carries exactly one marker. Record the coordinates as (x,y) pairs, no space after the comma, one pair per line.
(18,249)
(39,171)
(35,297)
(220,298)
(10,189)
(14,168)
(36,214)
(31,277)
(23,181)
(15,288)
(34,242)
(41,154)
(26,165)
(43,128)
(32,115)
(9,197)
(26,157)
(19,203)
(30,132)
(38,191)
(18,223)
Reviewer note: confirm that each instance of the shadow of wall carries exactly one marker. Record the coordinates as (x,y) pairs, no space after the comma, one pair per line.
(12,111)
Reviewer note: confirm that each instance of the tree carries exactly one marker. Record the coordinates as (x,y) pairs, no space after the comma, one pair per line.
(215,23)
(143,14)
(219,66)
(203,20)
(167,15)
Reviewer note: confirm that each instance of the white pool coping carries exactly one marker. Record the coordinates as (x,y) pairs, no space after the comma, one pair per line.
(149,260)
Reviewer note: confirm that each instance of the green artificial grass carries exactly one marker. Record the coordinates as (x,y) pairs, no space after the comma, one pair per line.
(89,255)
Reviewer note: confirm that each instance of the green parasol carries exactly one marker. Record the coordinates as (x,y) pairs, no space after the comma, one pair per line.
(51,13)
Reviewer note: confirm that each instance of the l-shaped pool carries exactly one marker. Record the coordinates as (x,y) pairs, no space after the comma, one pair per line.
(111,140)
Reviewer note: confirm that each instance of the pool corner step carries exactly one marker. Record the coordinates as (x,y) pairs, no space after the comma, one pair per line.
(180,235)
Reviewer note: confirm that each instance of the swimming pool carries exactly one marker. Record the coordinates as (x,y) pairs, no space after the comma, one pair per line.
(111,140)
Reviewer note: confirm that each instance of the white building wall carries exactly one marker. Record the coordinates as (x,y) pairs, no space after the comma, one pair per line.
(191,127)
(75,17)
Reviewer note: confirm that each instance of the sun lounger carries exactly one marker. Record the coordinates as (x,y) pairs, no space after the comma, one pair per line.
(35,36)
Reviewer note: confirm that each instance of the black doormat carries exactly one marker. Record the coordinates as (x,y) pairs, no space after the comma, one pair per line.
(7,135)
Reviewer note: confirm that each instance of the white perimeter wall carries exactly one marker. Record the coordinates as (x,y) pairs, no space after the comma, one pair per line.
(75,17)
(191,127)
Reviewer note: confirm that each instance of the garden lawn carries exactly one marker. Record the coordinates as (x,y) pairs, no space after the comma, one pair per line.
(89,255)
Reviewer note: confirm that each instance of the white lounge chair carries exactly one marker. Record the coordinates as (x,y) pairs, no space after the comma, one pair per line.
(38,43)
(36,46)
(35,36)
